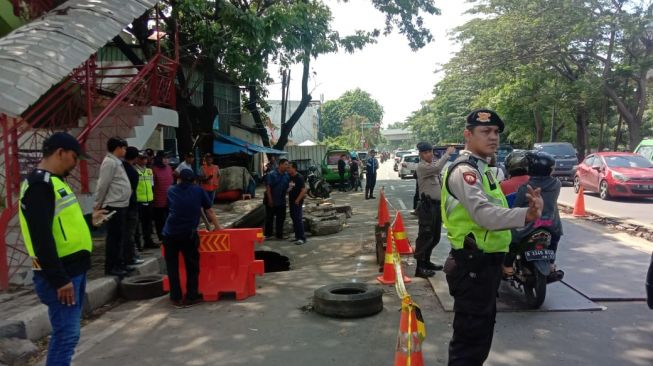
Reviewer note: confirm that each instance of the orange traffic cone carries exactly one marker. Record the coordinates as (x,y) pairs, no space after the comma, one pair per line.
(383,214)
(389,276)
(411,335)
(579,206)
(401,239)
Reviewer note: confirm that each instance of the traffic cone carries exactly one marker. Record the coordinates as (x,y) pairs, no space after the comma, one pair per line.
(401,239)
(411,335)
(389,276)
(579,206)
(383,214)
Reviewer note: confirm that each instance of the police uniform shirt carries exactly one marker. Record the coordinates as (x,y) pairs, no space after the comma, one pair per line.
(37,206)
(466,184)
(428,177)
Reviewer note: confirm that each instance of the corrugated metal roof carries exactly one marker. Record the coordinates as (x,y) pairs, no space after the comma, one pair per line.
(38,55)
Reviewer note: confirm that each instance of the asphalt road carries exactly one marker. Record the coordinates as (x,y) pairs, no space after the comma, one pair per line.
(277,326)
(634,209)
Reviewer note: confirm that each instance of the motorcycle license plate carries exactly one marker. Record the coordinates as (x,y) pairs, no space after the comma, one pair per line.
(542,254)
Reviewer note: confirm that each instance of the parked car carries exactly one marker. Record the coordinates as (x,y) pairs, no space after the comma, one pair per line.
(645,148)
(398,155)
(408,166)
(565,156)
(615,174)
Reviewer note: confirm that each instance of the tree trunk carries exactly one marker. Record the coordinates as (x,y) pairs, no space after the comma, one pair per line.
(581,120)
(539,130)
(208,110)
(256,115)
(185,129)
(617,138)
(306,99)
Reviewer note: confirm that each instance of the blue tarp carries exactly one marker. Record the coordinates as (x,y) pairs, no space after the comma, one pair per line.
(223,144)
(223,148)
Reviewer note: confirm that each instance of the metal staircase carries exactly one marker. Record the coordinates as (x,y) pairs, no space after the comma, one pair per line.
(93,103)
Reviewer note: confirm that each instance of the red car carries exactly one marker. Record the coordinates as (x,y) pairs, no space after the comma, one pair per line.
(615,174)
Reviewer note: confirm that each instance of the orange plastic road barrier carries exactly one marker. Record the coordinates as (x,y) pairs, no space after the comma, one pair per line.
(579,206)
(227,263)
(383,214)
(411,335)
(389,275)
(401,239)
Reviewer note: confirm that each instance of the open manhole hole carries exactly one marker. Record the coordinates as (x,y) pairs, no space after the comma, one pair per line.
(273,261)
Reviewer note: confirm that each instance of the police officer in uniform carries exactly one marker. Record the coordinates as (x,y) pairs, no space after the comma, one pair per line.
(477,218)
(428,209)
(58,240)
(145,198)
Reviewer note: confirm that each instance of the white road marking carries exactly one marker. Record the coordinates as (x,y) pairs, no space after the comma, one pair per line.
(392,188)
(401,203)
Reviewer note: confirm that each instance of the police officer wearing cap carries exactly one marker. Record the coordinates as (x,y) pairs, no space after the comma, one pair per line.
(428,208)
(58,240)
(478,222)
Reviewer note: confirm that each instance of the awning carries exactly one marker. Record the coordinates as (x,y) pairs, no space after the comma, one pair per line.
(221,140)
(41,53)
(223,148)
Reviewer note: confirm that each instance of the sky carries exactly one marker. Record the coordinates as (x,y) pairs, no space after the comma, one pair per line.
(398,78)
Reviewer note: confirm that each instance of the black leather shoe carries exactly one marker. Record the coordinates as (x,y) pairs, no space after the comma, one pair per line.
(372,197)
(424,272)
(432,266)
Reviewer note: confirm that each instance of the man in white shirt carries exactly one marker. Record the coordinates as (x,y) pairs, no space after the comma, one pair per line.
(112,194)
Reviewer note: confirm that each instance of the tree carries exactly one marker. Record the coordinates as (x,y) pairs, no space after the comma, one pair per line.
(352,103)
(241,38)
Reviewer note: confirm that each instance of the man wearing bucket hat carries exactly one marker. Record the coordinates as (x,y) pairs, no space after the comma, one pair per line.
(478,222)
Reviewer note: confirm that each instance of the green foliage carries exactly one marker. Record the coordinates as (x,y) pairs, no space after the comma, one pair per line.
(553,69)
(352,104)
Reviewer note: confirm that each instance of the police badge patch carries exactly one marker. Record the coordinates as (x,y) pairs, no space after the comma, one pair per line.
(483,117)
(470,178)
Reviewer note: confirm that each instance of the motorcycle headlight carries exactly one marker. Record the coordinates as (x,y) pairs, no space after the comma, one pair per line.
(620,177)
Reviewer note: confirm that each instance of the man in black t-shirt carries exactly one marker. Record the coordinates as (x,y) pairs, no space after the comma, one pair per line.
(296,193)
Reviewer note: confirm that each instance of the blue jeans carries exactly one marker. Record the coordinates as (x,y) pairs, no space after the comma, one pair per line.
(64,319)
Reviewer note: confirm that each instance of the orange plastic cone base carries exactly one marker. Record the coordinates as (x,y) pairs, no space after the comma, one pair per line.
(383,214)
(401,239)
(389,276)
(401,352)
(579,206)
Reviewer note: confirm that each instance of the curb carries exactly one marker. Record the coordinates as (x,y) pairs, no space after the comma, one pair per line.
(34,323)
(608,216)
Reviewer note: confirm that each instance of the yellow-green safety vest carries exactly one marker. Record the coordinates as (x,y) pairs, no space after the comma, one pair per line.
(459,223)
(144,189)
(69,228)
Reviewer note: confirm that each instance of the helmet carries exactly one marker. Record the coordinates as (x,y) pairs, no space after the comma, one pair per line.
(540,163)
(517,163)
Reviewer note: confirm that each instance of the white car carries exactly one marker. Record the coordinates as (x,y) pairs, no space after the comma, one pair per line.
(408,165)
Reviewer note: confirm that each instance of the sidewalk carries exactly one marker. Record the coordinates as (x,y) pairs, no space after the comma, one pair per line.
(277,326)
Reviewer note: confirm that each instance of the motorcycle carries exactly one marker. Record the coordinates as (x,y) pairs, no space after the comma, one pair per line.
(531,266)
(317,187)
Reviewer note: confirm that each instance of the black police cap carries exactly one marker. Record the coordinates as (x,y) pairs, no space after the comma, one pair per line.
(64,141)
(484,117)
(424,146)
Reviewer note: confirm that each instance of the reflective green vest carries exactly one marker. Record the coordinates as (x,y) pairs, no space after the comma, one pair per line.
(144,189)
(459,223)
(69,228)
